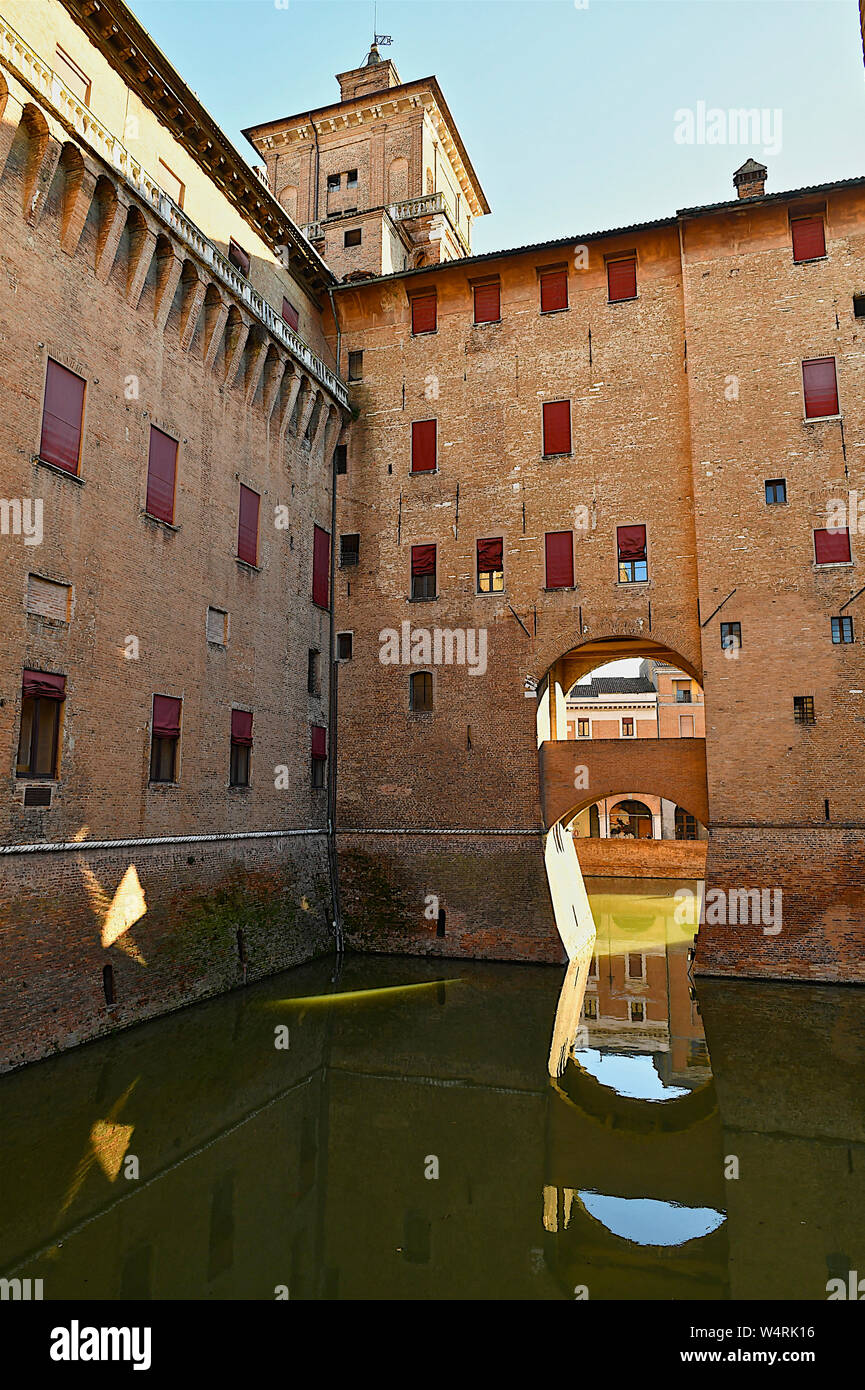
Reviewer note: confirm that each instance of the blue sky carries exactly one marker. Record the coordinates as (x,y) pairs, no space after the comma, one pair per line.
(569,114)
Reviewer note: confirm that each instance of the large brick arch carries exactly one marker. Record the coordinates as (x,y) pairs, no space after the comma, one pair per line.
(673,768)
(613,643)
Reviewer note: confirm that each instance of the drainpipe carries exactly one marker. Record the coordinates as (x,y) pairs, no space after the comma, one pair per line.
(317,161)
(332,691)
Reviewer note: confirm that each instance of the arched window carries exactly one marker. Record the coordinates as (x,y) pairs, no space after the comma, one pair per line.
(420,691)
(631,819)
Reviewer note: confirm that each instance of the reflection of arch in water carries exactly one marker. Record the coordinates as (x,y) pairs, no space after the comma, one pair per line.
(631,1219)
(579,1088)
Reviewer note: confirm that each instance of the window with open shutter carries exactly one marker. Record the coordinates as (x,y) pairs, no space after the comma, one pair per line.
(424,314)
(290,314)
(165,738)
(554,291)
(62,417)
(832,547)
(423,571)
(557,427)
(161,474)
(559,554)
(487,303)
(631,553)
(423,446)
(321,568)
(820,385)
(491,577)
(809,238)
(247,526)
(622,279)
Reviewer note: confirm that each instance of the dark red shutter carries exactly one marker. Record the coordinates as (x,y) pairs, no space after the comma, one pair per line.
(809,238)
(423,446)
(61,417)
(560,559)
(241,727)
(321,568)
(43,685)
(821,387)
(490,555)
(832,547)
(290,314)
(238,257)
(424,316)
(557,427)
(631,541)
(554,290)
(166,716)
(622,279)
(423,559)
(319,741)
(247,526)
(487,304)
(161,471)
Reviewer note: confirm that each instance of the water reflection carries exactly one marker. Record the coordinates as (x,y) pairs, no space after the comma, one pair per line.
(194,1157)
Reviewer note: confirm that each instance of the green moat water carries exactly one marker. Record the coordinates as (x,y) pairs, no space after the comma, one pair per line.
(193,1158)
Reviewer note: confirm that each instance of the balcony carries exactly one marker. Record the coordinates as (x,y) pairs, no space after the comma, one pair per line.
(431,205)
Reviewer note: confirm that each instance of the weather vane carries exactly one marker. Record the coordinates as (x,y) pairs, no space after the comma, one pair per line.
(381,38)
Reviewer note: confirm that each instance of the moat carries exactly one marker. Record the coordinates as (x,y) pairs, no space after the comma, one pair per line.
(393,1128)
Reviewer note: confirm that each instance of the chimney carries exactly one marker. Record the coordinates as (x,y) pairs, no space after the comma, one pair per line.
(750,180)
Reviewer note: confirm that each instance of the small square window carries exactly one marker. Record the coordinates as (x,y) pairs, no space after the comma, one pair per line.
(637,1010)
(342,458)
(352,237)
(842,630)
(217,627)
(332,182)
(776,491)
(349,550)
(803,709)
(584,728)
(627,727)
(355,366)
(351,178)
(344,646)
(731,636)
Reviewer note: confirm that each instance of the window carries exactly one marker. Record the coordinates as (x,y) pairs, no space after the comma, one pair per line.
(628,730)
(842,631)
(776,491)
(731,636)
(290,314)
(241,747)
(319,755)
(859,306)
(636,1011)
(803,709)
(238,257)
(491,573)
(622,279)
(344,646)
(48,598)
(247,526)
(686,726)
(554,291)
(72,76)
(686,825)
(423,446)
(355,366)
(333,181)
(590,1007)
(809,238)
(321,568)
(164,738)
(423,571)
(424,313)
(313,672)
(683,692)
(420,692)
(820,385)
(42,697)
(487,303)
(351,178)
(636,966)
(171,183)
(832,547)
(62,416)
(341,454)
(557,427)
(352,237)
(161,474)
(349,550)
(631,548)
(584,728)
(594,972)
(217,627)
(559,557)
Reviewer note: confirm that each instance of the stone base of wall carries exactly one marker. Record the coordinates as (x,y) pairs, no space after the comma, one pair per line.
(176,923)
(821,874)
(619,858)
(493,889)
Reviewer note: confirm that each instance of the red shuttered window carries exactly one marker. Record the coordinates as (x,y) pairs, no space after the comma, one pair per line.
(554,291)
(241,745)
(42,685)
(491,575)
(321,568)
(557,427)
(423,571)
(631,553)
(487,303)
(423,446)
(559,548)
(62,417)
(241,727)
(820,385)
(832,547)
(290,314)
(809,238)
(424,314)
(622,279)
(247,526)
(161,473)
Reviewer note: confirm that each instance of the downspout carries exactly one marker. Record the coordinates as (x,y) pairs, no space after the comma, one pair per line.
(332,691)
(317,161)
